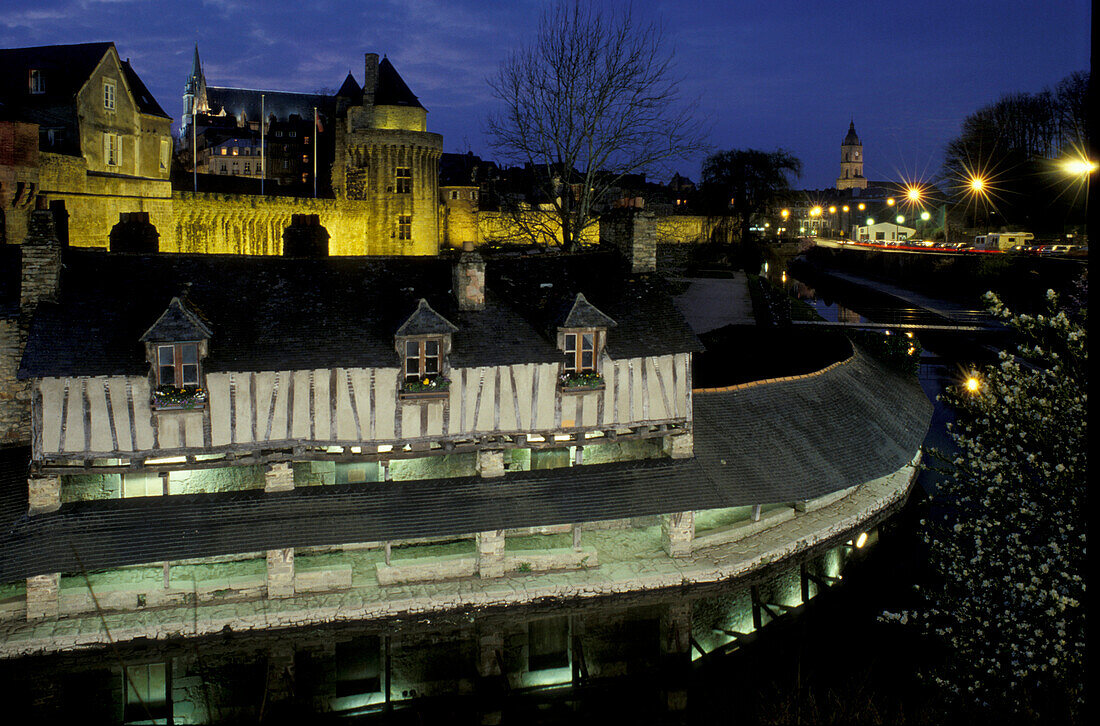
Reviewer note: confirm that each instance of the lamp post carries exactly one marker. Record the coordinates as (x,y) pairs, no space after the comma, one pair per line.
(1083,168)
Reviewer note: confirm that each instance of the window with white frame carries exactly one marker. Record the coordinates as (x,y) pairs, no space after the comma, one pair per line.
(581,351)
(423,358)
(112,149)
(35,82)
(109,88)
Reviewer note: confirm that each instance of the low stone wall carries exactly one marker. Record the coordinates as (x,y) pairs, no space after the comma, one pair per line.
(307,579)
(563,558)
(424,569)
(77,600)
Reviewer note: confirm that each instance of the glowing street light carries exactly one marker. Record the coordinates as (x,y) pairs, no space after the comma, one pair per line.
(1079,167)
(861,206)
(785,213)
(973,383)
(890,201)
(815,212)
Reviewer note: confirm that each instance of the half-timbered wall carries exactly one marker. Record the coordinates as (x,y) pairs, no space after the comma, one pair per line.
(110,416)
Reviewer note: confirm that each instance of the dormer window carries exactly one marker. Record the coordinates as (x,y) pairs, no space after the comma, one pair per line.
(423,341)
(582,338)
(36,83)
(176,344)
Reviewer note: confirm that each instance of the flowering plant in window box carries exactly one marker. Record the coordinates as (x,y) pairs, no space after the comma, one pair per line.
(427,387)
(169,397)
(581,380)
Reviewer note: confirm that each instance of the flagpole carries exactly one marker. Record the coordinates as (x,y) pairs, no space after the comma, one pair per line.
(314,152)
(263,159)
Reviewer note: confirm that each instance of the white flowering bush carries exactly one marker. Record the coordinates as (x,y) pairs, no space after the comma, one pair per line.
(1008,541)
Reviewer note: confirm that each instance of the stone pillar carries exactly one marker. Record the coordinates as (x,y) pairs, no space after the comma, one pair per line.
(679,446)
(279,478)
(490,553)
(42,594)
(490,463)
(577,537)
(280,573)
(679,531)
(43,494)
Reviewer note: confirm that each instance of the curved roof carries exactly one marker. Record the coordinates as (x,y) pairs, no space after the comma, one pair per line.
(781,441)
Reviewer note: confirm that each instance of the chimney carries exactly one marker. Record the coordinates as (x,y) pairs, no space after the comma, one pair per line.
(469,279)
(41,251)
(634,233)
(370,79)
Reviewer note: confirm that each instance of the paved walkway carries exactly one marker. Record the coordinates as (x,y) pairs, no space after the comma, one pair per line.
(712,303)
(630,563)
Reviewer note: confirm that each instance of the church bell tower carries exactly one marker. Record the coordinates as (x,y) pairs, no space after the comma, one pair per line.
(851,162)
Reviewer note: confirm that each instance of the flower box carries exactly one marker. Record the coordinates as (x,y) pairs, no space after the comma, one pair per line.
(170,398)
(585,382)
(425,389)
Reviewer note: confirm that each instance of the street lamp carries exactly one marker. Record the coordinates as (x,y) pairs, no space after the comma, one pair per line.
(898,220)
(1083,168)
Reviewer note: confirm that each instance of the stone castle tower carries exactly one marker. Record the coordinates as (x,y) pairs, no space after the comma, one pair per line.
(194,98)
(851,162)
(386,157)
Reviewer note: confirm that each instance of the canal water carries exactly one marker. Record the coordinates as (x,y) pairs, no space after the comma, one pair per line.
(799,642)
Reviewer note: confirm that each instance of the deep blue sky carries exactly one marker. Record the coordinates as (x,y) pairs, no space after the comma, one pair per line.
(765,74)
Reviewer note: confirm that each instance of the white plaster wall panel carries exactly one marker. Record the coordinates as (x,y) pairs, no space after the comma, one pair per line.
(589,408)
(637,390)
(410,420)
(264,384)
(568,411)
(192,429)
(435,419)
(299,421)
(524,374)
(217,385)
(385,393)
(281,409)
(507,395)
(322,405)
(143,413)
(168,430)
(101,425)
(680,363)
(361,384)
(454,423)
(608,393)
(120,409)
(486,409)
(547,392)
(74,416)
(242,400)
(622,392)
(52,391)
(345,412)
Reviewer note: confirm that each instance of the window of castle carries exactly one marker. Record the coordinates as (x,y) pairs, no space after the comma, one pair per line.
(404,226)
(403,180)
(109,95)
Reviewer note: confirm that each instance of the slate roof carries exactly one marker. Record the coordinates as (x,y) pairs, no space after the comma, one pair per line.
(391,89)
(176,324)
(425,321)
(851,139)
(781,442)
(275,313)
(247,103)
(350,89)
(584,314)
(65,69)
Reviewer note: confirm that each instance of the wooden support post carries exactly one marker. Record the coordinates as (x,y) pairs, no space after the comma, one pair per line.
(756,512)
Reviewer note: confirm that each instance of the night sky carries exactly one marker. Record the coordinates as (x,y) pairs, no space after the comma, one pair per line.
(763,74)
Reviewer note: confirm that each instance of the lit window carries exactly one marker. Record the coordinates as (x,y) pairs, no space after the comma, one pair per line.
(247,169)
(580,351)
(112,149)
(305,158)
(178,365)
(422,358)
(142,484)
(403,180)
(35,81)
(224,151)
(235,151)
(109,95)
(404,226)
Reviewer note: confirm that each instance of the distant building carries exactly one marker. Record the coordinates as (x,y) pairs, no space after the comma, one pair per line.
(851,161)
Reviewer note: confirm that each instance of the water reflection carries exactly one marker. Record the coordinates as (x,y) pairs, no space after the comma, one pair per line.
(481,667)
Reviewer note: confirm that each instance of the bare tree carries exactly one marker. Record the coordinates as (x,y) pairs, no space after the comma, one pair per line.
(591,100)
